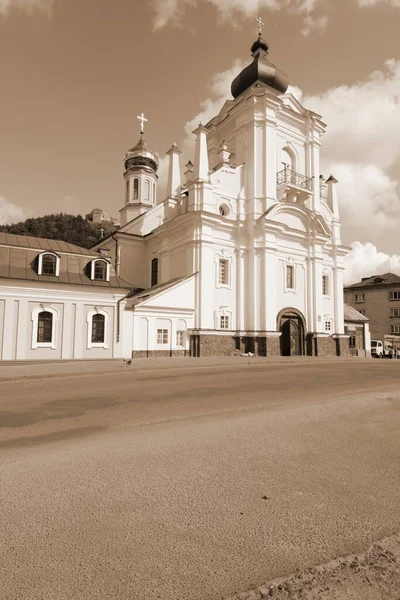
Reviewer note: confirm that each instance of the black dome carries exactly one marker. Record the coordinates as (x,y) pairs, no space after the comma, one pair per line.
(261,70)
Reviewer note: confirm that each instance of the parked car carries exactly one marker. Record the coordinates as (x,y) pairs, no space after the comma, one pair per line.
(377,349)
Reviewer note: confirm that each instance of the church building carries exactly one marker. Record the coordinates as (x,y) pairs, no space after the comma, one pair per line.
(242,255)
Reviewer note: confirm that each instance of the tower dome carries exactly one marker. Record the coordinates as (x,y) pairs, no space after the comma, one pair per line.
(261,70)
(140,156)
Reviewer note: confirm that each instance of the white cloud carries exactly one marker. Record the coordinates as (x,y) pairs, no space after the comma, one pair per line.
(25,5)
(359,148)
(171,11)
(364,260)
(395,3)
(314,24)
(10,213)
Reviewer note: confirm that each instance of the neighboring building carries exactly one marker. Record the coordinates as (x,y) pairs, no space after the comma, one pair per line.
(356,326)
(378,298)
(244,254)
(57,301)
(97,215)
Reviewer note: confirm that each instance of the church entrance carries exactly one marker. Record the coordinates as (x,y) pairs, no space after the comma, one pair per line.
(292,339)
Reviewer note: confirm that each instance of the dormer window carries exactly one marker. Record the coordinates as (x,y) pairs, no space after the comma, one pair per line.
(48,264)
(100,270)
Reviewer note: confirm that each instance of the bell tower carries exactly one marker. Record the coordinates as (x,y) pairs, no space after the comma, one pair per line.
(141,178)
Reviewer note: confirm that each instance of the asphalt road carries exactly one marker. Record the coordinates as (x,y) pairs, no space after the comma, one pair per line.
(193,483)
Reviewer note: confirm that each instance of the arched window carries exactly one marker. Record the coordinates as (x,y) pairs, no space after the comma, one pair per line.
(44,327)
(128,197)
(154,271)
(147,190)
(135,188)
(48,264)
(100,270)
(98,329)
(154,193)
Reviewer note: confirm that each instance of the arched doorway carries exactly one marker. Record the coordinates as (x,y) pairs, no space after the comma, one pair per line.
(291,324)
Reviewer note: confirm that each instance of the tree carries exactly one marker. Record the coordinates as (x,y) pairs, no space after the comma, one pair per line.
(73,229)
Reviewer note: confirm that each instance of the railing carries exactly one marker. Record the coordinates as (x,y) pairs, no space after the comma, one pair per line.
(287,175)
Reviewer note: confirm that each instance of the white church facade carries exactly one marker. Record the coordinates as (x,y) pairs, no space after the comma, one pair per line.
(242,255)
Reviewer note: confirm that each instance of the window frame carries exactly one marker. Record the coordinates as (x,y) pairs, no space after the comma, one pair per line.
(154,272)
(392,294)
(357,296)
(147,191)
(136,188)
(224,322)
(89,321)
(393,329)
(290,265)
(93,269)
(326,285)
(35,327)
(180,338)
(40,264)
(163,335)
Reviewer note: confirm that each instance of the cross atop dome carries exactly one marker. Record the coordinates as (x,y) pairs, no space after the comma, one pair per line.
(260,26)
(142,120)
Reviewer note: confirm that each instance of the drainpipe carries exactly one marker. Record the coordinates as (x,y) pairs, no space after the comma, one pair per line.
(119,314)
(117,262)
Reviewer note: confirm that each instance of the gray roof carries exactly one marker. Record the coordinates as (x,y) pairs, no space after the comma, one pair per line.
(143,295)
(40,244)
(18,260)
(352,315)
(376,280)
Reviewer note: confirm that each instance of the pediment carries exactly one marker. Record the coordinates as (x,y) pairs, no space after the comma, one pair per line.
(222,113)
(297,218)
(291,102)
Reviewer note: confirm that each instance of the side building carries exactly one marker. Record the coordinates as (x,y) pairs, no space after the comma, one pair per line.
(58,301)
(378,298)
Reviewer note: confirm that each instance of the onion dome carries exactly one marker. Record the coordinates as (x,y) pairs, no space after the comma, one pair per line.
(140,156)
(261,70)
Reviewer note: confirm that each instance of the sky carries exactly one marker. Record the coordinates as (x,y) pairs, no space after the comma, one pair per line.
(75,74)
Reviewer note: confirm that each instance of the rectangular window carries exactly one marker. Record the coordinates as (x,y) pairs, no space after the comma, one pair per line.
(289,277)
(359,298)
(361,311)
(395,312)
(224,322)
(395,329)
(223,272)
(180,337)
(154,271)
(394,295)
(328,326)
(162,336)
(325,285)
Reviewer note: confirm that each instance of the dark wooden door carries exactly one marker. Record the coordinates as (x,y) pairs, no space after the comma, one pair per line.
(292,336)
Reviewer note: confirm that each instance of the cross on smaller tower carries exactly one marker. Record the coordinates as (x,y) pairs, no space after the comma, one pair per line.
(142,120)
(260,26)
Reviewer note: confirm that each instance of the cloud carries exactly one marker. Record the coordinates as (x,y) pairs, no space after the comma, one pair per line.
(314,24)
(10,213)
(360,148)
(26,5)
(364,260)
(394,3)
(171,11)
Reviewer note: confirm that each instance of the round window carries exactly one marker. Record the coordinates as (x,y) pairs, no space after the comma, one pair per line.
(223,210)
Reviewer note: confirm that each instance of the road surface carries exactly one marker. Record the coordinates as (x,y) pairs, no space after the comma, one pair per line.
(195,483)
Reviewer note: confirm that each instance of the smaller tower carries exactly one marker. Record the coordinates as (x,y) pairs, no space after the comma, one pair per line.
(141,165)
